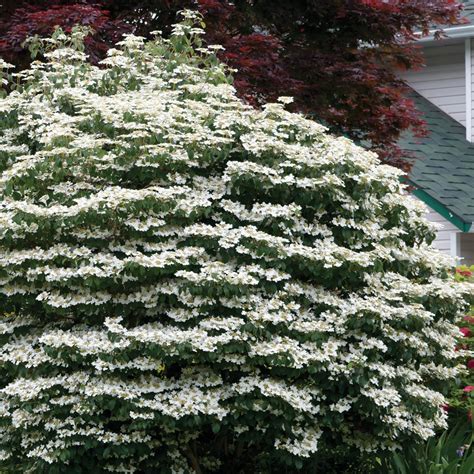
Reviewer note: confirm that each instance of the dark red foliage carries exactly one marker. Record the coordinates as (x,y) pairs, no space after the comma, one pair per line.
(338,58)
(42,17)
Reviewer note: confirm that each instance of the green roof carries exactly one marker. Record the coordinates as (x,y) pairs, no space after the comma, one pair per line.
(443,173)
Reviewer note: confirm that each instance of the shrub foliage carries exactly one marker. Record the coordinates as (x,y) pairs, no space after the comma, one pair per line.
(189,284)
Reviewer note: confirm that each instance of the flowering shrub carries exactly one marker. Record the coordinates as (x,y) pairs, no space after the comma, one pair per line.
(461,401)
(450,451)
(465,273)
(190,284)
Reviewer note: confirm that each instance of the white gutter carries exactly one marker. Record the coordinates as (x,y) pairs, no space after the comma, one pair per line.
(459,32)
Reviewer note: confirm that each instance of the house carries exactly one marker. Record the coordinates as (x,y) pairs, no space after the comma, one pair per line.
(443,175)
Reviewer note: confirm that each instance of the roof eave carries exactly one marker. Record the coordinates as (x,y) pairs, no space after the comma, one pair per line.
(441,209)
(454,32)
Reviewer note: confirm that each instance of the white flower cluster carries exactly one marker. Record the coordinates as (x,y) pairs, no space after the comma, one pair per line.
(173,262)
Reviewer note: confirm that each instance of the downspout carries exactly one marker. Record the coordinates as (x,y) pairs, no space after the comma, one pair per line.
(468,83)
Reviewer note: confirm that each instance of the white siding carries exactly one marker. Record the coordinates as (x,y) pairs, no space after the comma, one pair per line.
(467,249)
(443,238)
(442,80)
